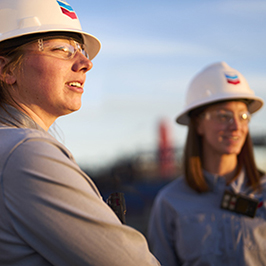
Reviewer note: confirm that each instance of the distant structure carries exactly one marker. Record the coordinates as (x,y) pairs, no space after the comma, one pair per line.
(259,139)
(166,151)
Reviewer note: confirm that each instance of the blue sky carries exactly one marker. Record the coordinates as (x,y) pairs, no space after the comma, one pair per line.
(150,52)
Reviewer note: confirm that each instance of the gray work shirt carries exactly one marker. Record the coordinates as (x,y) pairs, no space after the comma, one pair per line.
(51,213)
(190,229)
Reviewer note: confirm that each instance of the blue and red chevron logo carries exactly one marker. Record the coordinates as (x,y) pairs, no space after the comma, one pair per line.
(232,79)
(67,9)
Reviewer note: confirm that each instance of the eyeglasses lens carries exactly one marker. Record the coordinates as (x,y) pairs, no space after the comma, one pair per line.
(227,117)
(62,48)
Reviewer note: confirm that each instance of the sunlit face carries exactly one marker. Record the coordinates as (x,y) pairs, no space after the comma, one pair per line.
(50,85)
(219,136)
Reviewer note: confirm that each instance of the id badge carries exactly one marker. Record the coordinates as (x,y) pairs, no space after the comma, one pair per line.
(239,203)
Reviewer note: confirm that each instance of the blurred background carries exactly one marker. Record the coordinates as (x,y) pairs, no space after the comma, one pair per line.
(125,136)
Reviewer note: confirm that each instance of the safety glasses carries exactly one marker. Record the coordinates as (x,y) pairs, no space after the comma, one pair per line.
(62,48)
(227,117)
(65,48)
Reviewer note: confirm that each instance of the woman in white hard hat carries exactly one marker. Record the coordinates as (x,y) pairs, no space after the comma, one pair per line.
(215,214)
(51,213)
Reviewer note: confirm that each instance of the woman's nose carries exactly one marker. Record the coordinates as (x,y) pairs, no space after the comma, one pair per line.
(82,63)
(235,123)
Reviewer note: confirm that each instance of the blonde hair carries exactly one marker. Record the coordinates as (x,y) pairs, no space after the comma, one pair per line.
(15,60)
(15,57)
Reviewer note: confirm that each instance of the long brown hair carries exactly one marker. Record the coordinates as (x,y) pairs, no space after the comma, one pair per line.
(192,161)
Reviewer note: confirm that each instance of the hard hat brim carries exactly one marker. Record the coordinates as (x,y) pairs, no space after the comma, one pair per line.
(93,45)
(255,104)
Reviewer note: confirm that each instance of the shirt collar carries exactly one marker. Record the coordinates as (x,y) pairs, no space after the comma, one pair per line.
(11,116)
(218,182)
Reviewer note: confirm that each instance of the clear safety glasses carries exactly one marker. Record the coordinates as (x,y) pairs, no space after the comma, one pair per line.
(60,48)
(227,117)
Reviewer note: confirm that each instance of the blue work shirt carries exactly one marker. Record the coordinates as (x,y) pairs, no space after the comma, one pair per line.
(189,228)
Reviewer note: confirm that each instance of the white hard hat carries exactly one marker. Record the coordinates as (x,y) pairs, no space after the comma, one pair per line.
(217,82)
(26,17)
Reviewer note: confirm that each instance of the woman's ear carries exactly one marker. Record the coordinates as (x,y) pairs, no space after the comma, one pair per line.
(6,75)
